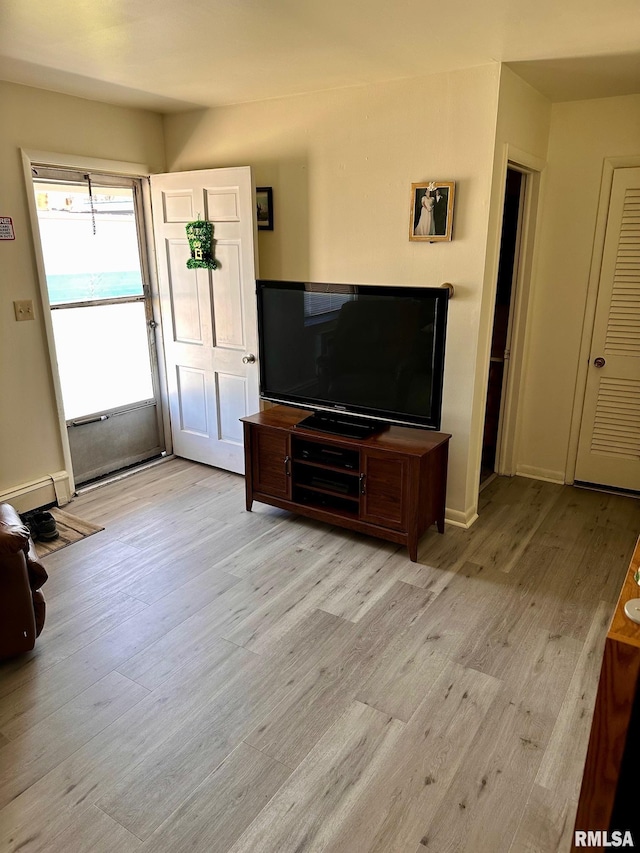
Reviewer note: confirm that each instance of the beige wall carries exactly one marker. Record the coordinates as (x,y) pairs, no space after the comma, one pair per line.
(341,164)
(524,116)
(30,447)
(583,134)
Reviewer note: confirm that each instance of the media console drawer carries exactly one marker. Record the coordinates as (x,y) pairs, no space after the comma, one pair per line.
(391,485)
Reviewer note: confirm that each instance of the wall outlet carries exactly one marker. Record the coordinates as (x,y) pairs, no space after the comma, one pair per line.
(24,309)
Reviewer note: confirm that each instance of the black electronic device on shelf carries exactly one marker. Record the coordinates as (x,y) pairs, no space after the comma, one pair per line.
(360,356)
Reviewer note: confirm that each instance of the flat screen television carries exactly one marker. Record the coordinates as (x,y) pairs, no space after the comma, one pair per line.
(360,356)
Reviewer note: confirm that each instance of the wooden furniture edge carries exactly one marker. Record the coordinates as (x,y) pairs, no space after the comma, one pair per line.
(619,677)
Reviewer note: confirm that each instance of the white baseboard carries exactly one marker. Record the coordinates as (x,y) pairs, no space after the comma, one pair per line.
(545,474)
(461,519)
(56,488)
(62,487)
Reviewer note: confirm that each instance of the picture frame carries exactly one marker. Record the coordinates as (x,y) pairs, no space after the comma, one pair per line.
(431,211)
(264,208)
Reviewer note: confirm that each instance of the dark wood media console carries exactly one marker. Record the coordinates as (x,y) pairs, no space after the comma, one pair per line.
(391,485)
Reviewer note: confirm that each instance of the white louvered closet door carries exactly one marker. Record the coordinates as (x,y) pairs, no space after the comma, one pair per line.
(609,447)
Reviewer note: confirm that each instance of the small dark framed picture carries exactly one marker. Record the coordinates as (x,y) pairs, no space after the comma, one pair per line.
(431,211)
(264,207)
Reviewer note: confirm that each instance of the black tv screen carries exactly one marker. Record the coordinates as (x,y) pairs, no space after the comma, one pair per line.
(363,350)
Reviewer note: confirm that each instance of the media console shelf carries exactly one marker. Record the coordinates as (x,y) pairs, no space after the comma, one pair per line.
(391,485)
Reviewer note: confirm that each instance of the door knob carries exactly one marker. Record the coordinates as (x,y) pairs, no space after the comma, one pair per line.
(249,359)
(599,362)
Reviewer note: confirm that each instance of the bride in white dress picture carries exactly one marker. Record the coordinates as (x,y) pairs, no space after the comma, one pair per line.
(425,226)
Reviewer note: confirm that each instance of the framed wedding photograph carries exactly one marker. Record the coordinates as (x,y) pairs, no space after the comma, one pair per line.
(264,206)
(431,212)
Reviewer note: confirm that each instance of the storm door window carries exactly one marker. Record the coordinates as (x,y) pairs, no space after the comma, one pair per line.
(99,301)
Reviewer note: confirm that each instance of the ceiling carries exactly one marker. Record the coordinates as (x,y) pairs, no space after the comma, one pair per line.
(168,56)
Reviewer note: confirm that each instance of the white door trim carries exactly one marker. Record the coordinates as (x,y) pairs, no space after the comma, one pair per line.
(91,164)
(533,167)
(610,164)
(28,159)
(115,167)
(506,443)
(152,266)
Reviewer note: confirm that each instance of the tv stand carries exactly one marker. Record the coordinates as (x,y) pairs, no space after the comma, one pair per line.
(338,424)
(391,485)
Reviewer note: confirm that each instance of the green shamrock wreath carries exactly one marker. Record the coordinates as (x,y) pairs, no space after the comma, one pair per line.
(200,236)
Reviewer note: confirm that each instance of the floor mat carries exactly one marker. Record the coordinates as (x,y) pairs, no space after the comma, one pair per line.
(71,529)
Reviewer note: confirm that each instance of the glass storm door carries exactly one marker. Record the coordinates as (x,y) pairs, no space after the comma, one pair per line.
(90,228)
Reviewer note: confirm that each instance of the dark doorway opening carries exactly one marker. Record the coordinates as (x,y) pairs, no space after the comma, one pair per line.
(500,341)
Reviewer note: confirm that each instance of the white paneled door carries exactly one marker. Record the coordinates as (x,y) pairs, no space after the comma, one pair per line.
(209,316)
(609,447)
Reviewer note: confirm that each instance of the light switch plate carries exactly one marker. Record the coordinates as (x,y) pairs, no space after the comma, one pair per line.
(24,309)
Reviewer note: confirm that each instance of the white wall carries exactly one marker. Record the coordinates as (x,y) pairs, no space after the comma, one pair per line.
(341,164)
(30,446)
(582,135)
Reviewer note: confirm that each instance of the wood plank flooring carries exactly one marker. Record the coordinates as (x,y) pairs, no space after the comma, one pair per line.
(219,681)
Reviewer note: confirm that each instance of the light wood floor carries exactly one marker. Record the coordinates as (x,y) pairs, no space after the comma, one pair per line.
(213,680)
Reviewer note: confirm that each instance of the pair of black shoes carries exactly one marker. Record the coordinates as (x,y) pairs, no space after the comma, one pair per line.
(41,524)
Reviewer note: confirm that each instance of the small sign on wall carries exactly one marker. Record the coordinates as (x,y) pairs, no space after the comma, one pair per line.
(6,228)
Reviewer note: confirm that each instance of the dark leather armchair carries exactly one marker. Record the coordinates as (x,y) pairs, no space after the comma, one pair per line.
(22,606)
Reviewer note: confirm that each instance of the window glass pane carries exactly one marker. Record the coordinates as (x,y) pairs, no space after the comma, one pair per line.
(103,357)
(82,265)
(316,304)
